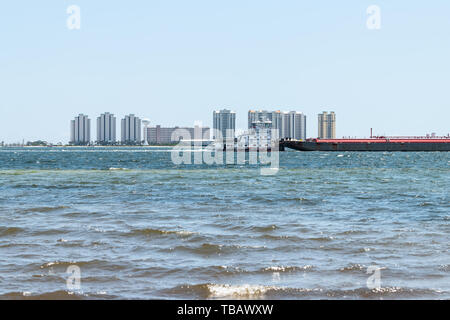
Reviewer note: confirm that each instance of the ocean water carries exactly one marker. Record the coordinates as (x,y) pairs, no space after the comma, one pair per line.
(140,227)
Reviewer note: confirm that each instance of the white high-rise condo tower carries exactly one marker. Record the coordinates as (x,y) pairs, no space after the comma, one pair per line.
(224,121)
(297,125)
(106,129)
(131,130)
(80,130)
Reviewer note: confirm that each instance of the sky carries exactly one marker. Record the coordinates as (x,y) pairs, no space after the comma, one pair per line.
(174,62)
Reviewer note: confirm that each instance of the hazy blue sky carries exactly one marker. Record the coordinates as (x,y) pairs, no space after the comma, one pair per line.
(174,62)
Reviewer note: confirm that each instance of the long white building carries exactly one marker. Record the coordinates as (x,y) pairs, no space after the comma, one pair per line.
(80,130)
(161,135)
(131,130)
(106,129)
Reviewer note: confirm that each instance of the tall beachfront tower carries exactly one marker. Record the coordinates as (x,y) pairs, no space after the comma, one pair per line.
(131,130)
(106,129)
(80,130)
(224,121)
(327,125)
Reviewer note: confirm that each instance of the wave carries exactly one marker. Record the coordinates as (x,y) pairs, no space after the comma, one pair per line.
(97,264)
(294,238)
(265,228)
(247,291)
(158,232)
(218,271)
(43,209)
(352,267)
(426,204)
(321,239)
(207,248)
(211,291)
(49,232)
(281,238)
(203,249)
(445,267)
(287,269)
(54,295)
(304,201)
(214,271)
(10,231)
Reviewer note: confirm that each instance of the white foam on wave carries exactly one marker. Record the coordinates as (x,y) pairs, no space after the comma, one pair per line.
(238,291)
(288,268)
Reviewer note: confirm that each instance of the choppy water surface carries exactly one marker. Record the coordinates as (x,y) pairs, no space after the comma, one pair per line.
(139,226)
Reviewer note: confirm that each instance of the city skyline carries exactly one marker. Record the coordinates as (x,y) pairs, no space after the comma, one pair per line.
(290,124)
(299,55)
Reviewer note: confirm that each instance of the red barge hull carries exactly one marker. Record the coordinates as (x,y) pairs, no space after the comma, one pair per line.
(374,144)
